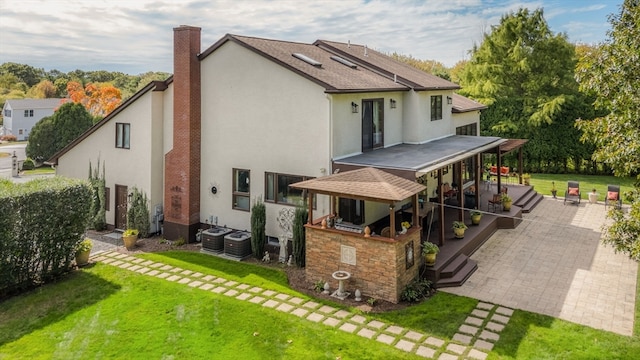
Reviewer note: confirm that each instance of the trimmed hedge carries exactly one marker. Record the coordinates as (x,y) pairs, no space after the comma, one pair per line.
(41,223)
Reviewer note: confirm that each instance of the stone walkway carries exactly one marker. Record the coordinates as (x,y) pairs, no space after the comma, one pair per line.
(474,339)
(554,263)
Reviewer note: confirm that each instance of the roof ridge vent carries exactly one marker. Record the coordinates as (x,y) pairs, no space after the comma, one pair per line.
(343,61)
(307,59)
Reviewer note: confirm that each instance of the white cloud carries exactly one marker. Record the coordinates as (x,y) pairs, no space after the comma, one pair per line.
(135,36)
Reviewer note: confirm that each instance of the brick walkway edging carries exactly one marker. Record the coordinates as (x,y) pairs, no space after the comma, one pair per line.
(474,339)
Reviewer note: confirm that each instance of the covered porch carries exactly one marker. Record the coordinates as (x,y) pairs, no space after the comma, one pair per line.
(457,160)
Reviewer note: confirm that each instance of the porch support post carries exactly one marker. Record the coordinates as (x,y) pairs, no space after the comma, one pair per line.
(520,165)
(458,173)
(477,182)
(416,210)
(498,170)
(392,221)
(441,202)
(310,209)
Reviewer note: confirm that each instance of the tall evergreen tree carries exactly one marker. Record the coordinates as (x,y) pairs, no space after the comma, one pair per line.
(521,59)
(611,72)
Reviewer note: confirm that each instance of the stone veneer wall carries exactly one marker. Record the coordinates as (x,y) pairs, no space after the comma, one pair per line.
(380,263)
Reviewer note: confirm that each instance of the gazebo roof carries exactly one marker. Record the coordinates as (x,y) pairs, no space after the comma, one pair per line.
(363,184)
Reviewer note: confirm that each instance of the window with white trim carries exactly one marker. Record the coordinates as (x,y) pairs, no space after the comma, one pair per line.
(123,134)
(241,189)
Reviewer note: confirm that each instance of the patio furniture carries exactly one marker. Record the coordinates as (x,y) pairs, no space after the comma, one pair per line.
(495,202)
(386,232)
(504,172)
(613,196)
(573,192)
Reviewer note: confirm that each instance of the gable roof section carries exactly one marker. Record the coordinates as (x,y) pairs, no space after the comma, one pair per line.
(363,184)
(462,104)
(334,76)
(152,86)
(20,104)
(387,66)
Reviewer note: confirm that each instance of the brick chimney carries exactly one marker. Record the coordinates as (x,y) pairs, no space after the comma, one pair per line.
(182,163)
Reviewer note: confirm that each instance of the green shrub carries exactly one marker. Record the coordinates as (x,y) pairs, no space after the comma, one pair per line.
(98,211)
(299,240)
(138,212)
(42,223)
(417,290)
(28,164)
(258,223)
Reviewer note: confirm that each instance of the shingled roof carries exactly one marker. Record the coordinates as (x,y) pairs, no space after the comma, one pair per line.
(363,184)
(362,73)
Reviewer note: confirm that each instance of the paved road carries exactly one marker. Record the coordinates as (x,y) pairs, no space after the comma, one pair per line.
(6,161)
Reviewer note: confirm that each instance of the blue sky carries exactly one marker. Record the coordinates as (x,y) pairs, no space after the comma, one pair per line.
(135,36)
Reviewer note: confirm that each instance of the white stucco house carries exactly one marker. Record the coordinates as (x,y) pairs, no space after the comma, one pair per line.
(20,115)
(247,116)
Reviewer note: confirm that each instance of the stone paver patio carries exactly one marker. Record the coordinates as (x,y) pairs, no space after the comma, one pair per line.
(554,263)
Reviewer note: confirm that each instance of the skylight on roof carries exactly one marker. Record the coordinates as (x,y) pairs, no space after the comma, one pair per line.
(344,61)
(307,59)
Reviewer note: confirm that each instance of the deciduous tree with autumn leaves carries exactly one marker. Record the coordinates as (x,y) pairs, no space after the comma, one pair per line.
(98,98)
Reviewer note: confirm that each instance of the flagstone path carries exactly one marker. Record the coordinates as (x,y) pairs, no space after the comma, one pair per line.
(474,339)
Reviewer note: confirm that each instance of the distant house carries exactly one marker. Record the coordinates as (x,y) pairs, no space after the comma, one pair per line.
(20,115)
(248,116)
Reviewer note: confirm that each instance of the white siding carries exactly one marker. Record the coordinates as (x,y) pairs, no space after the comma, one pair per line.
(259,116)
(139,166)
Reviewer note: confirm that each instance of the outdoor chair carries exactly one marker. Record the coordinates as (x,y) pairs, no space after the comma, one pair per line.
(613,196)
(495,202)
(504,172)
(386,232)
(573,192)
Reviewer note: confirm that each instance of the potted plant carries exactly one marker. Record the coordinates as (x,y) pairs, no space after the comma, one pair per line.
(475,216)
(527,179)
(506,202)
(83,250)
(429,251)
(554,191)
(593,196)
(458,229)
(130,236)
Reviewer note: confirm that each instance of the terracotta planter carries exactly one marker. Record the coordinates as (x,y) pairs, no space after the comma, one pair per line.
(458,232)
(130,241)
(82,257)
(430,259)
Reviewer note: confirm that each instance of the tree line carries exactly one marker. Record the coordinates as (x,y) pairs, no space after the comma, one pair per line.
(21,81)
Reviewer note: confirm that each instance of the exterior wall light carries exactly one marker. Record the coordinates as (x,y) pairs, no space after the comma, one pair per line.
(449,100)
(392,103)
(354,107)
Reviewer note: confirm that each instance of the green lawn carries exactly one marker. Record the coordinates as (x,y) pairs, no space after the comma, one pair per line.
(542,183)
(106,312)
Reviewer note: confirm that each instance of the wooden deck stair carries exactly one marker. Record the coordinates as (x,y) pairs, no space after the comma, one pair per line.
(453,264)
(529,200)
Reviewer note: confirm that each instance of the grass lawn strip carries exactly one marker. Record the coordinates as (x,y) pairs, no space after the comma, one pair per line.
(330,316)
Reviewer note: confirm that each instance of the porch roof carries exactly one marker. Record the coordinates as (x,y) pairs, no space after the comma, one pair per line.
(424,158)
(363,184)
